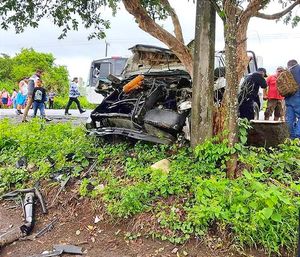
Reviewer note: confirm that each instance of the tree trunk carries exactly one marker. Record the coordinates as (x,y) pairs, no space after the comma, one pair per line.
(231,94)
(202,102)
(242,57)
(147,24)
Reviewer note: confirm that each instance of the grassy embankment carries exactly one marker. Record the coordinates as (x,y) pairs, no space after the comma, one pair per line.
(193,199)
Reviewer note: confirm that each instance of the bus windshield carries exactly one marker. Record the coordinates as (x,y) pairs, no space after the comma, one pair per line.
(100,69)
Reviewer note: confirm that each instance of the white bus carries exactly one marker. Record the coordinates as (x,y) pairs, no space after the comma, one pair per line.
(99,70)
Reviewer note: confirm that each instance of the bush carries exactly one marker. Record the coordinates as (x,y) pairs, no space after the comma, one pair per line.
(40,143)
(8,85)
(60,102)
(258,209)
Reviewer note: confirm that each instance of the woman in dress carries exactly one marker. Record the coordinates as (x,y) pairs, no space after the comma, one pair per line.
(22,95)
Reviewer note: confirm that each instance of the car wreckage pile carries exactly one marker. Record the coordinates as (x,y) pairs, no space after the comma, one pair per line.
(152,101)
(152,107)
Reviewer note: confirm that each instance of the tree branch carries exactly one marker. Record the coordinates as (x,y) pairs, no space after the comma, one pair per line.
(253,7)
(147,24)
(278,15)
(175,20)
(218,10)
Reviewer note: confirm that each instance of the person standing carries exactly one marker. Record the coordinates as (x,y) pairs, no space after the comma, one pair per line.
(39,99)
(22,95)
(274,99)
(31,84)
(249,93)
(4,98)
(292,103)
(51,99)
(73,96)
(14,98)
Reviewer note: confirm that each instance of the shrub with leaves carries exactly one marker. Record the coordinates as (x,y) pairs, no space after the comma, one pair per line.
(258,209)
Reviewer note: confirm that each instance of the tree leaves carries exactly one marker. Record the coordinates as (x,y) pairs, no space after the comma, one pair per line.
(65,14)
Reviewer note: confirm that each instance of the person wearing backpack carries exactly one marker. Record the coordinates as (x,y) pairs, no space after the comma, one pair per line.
(274,99)
(292,102)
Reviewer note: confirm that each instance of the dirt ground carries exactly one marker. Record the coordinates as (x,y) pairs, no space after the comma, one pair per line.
(76,225)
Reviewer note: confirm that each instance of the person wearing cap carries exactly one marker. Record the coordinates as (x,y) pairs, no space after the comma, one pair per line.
(292,103)
(249,93)
(73,96)
(32,81)
(274,99)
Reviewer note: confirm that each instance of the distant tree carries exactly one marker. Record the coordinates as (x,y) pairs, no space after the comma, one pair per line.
(28,60)
(5,66)
(25,63)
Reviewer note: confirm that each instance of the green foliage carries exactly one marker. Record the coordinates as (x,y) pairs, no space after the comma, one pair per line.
(5,66)
(258,209)
(25,63)
(193,198)
(60,102)
(67,15)
(8,85)
(257,213)
(37,142)
(11,177)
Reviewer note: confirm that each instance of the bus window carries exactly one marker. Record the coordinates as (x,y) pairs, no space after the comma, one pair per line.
(102,70)
(119,66)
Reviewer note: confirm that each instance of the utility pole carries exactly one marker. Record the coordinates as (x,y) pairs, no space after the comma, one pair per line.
(203,77)
(106,46)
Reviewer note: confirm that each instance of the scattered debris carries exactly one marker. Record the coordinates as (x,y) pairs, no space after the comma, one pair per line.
(70,157)
(46,229)
(90,169)
(31,167)
(90,227)
(175,250)
(77,232)
(63,185)
(61,249)
(98,218)
(51,161)
(28,210)
(163,165)
(21,163)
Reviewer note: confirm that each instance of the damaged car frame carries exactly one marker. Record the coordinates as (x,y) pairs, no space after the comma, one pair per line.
(153,100)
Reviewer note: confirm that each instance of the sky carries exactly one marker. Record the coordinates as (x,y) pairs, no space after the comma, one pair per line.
(275,42)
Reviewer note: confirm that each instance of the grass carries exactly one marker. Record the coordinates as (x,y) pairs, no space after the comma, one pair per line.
(259,209)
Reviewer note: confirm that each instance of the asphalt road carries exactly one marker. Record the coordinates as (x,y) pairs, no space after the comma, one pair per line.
(54,115)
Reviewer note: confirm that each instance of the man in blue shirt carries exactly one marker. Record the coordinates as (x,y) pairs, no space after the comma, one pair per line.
(292,103)
(73,97)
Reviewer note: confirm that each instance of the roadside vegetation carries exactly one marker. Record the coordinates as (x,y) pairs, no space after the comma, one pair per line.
(192,199)
(60,102)
(25,63)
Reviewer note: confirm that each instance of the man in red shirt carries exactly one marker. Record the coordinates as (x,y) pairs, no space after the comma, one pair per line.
(275,100)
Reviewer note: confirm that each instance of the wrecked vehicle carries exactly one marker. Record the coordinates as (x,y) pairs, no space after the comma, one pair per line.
(153,101)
